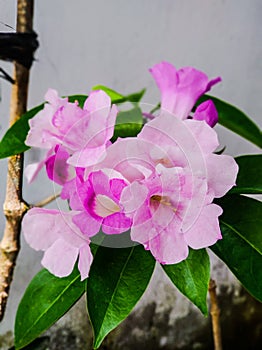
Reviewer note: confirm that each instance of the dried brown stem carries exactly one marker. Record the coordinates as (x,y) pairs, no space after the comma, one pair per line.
(215,315)
(14,206)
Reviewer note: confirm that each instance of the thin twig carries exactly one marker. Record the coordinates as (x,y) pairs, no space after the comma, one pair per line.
(46,201)
(215,315)
(14,206)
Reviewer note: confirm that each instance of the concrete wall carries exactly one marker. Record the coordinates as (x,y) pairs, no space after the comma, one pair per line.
(84,43)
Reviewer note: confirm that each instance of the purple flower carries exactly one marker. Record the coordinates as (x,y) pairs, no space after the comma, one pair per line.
(206,111)
(180,90)
(57,168)
(97,200)
(159,221)
(172,178)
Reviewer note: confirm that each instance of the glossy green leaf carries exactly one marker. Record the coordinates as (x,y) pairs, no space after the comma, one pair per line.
(249,177)
(13,141)
(41,343)
(241,246)
(235,120)
(117,280)
(116,97)
(46,299)
(128,123)
(191,277)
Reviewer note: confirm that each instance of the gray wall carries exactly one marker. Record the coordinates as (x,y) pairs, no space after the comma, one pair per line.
(85,43)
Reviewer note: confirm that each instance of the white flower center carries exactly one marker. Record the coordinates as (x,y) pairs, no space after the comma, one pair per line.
(105,206)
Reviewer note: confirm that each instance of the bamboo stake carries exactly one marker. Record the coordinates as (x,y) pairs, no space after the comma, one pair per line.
(215,314)
(14,206)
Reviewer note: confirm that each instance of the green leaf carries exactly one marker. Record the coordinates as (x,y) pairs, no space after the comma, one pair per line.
(46,299)
(13,141)
(136,96)
(128,123)
(117,280)
(241,246)
(116,97)
(191,277)
(111,93)
(249,177)
(235,120)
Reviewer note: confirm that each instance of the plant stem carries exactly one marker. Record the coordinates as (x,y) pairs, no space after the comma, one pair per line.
(215,313)
(14,206)
(46,201)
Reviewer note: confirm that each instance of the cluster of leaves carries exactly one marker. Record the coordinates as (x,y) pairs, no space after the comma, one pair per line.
(119,276)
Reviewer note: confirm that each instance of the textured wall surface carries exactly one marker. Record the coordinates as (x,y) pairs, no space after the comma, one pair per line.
(85,43)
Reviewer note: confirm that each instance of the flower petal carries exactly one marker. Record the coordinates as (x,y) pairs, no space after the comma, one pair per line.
(204,136)
(166,78)
(87,224)
(116,187)
(143,230)
(84,261)
(180,89)
(207,111)
(205,231)
(130,157)
(116,223)
(222,173)
(57,168)
(169,247)
(133,196)
(69,231)
(102,118)
(39,227)
(60,258)
(32,170)
(97,100)
(88,156)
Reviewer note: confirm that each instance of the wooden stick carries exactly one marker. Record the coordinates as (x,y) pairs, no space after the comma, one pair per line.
(14,206)
(215,314)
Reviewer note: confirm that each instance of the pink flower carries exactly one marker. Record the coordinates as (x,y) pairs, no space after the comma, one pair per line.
(172,178)
(57,168)
(180,90)
(83,133)
(206,111)
(55,233)
(161,184)
(158,220)
(97,200)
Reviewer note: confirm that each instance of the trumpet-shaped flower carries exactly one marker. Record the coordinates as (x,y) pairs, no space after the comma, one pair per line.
(97,200)
(83,133)
(173,177)
(55,233)
(180,90)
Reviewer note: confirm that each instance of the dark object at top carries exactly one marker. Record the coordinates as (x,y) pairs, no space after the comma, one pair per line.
(19,47)
(6,76)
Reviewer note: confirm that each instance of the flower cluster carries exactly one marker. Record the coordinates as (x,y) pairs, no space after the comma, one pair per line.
(159,185)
